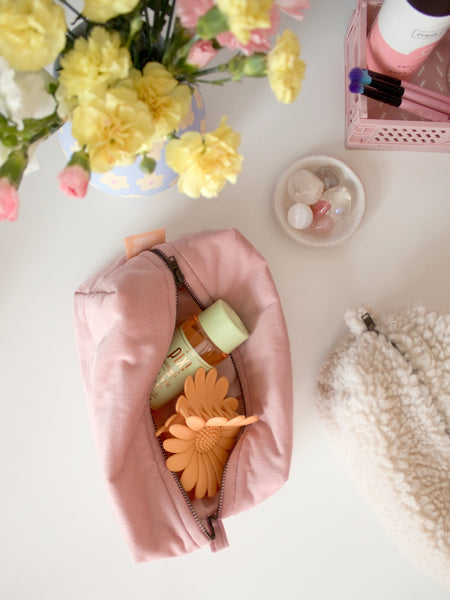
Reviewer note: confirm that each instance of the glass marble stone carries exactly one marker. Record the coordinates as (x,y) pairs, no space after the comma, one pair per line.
(304,186)
(328,177)
(300,216)
(340,198)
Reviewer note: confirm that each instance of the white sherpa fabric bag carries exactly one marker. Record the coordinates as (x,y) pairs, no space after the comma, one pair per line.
(384,397)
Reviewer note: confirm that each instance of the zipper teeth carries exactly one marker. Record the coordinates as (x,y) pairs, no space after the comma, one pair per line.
(178,276)
(203,529)
(225,469)
(193,294)
(165,259)
(368,321)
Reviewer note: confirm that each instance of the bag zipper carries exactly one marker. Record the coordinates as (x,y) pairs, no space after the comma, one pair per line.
(180,282)
(178,276)
(370,324)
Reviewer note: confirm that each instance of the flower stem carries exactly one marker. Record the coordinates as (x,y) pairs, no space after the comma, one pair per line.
(69,6)
(36,129)
(214,81)
(14,166)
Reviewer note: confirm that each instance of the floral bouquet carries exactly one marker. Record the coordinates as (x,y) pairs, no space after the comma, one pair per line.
(123,74)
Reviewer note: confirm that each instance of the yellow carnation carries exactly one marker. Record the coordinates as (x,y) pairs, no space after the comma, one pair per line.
(206,163)
(285,70)
(93,65)
(167,100)
(246,15)
(101,11)
(113,129)
(32,33)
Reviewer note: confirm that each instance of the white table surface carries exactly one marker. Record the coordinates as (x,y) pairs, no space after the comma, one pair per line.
(317,538)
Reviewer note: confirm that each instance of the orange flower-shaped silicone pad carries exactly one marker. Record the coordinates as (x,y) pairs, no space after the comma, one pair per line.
(202,432)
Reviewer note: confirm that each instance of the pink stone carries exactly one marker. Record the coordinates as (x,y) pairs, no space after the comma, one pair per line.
(320,208)
(323,224)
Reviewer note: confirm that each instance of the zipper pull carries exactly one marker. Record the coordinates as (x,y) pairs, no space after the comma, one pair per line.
(369,322)
(176,271)
(219,539)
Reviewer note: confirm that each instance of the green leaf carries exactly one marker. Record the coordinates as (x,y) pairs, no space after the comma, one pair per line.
(212,23)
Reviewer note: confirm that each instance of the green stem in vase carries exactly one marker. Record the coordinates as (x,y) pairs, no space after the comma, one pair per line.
(69,6)
(169,26)
(214,81)
(156,16)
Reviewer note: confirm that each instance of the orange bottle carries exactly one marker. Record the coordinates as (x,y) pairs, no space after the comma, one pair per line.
(204,340)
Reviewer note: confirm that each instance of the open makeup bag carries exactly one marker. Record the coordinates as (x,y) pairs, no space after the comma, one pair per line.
(125,317)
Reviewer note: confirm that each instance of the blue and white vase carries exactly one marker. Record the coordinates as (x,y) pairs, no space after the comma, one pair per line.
(131,181)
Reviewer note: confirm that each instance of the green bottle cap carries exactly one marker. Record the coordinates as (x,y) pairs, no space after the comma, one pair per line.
(223,326)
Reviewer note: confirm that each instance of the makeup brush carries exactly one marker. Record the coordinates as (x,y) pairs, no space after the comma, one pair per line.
(434,100)
(413,107)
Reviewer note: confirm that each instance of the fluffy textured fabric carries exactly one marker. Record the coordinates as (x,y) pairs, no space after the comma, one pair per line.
(384,397)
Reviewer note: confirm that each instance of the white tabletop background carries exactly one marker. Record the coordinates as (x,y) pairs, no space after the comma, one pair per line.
(317,538)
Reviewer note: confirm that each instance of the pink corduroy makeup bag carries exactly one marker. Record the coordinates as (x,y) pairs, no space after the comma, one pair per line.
(125,317)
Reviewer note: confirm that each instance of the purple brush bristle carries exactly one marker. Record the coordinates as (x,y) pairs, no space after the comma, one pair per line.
(356,87)
(360,75)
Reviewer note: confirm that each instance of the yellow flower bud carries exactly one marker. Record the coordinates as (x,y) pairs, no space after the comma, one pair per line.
(285,70)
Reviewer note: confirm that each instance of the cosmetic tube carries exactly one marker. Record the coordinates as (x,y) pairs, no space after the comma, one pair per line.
(204,340)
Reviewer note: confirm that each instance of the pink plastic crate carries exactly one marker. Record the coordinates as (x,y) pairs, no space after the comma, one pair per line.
(375,126)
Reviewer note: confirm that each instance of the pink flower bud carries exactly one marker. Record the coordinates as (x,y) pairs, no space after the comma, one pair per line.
(189,11)
(201,53)
(9,200)
(73,180)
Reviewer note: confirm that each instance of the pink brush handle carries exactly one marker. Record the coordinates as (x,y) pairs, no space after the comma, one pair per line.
(428,93)
(428,101)
(423,111)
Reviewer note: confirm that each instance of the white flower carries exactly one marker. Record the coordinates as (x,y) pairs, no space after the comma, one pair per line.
(10,94)
(37,103)
(24,95)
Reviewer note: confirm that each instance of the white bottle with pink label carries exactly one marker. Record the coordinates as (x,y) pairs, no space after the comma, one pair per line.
(404,34)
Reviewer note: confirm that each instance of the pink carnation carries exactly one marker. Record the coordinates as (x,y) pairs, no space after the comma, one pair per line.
(73,180)
(293,8)
(190,11)
(201,53)
(259,38)
(259,42)
(9,200)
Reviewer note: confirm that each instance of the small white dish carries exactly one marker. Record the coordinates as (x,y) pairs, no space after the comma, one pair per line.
(342,230)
